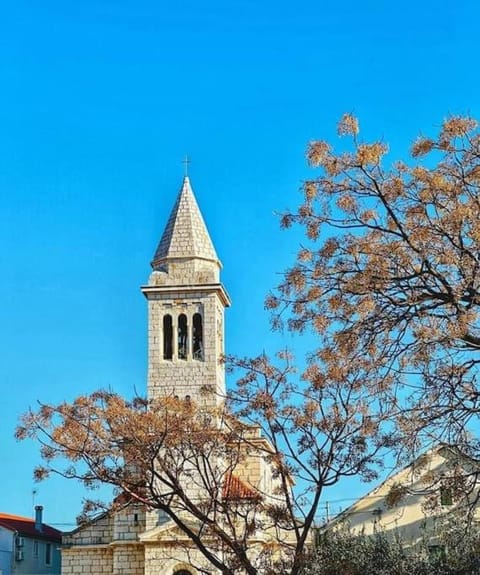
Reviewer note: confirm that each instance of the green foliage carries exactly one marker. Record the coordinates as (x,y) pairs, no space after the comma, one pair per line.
(343,553)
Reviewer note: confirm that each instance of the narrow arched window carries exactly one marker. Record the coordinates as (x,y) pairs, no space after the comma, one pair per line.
(182,572)
(197,337)
(182,336)
(167,337)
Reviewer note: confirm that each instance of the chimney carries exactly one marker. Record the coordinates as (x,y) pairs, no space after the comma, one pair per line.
(38,517)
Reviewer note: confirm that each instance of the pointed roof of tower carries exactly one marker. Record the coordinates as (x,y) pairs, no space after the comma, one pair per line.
(186,235)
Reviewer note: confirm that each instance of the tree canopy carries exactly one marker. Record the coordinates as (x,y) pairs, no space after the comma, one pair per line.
(455,552)
(182,458)
(389,276)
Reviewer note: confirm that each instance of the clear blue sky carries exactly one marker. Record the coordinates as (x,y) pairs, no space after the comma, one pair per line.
(99,102)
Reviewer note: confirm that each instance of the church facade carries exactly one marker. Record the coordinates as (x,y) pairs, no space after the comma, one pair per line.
(186,304)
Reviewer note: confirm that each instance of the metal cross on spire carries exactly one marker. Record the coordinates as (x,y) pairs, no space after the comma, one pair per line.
(185,163)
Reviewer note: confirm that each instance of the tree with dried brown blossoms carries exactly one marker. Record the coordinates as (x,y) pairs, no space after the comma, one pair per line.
(389,275)
(182,459)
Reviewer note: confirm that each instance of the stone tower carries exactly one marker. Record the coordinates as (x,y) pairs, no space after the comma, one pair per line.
(186,304)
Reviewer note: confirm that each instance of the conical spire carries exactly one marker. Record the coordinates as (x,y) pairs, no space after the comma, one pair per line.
(186,235)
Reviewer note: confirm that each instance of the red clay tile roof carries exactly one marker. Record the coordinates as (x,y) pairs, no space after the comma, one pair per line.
(26,527)
(236,489)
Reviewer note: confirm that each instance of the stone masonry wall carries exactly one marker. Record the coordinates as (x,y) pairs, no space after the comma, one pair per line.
(85,561)
(167,559)
(191,376)
(98,532)
(109,545)
(129,523)
(128,560)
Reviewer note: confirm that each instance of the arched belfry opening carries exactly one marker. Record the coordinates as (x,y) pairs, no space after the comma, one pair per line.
(167,337)
(182,336)
(197,337)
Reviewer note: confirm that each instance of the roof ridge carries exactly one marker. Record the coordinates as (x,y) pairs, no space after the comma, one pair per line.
(18,517)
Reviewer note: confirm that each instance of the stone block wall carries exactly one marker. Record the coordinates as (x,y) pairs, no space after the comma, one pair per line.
(167,559)
(128,523)
(98,532)
(87,561)
(128,560)
(191,376)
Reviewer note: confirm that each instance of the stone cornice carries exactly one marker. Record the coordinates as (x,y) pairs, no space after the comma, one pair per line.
(218,288)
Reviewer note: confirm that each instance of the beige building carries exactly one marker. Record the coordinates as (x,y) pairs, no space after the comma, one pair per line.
(415,502)
(186,303)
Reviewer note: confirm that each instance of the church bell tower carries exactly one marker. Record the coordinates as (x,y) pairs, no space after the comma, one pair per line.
(186,304)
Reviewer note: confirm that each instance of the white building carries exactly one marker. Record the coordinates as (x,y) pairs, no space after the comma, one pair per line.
(28,546)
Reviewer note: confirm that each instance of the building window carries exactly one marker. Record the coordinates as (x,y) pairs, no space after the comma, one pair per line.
(162,517)
(446,496)
(167,337)
(48,553)
(35,548)
(182,336)
(182,572)
(197,337)
(377,517)
(436,552)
